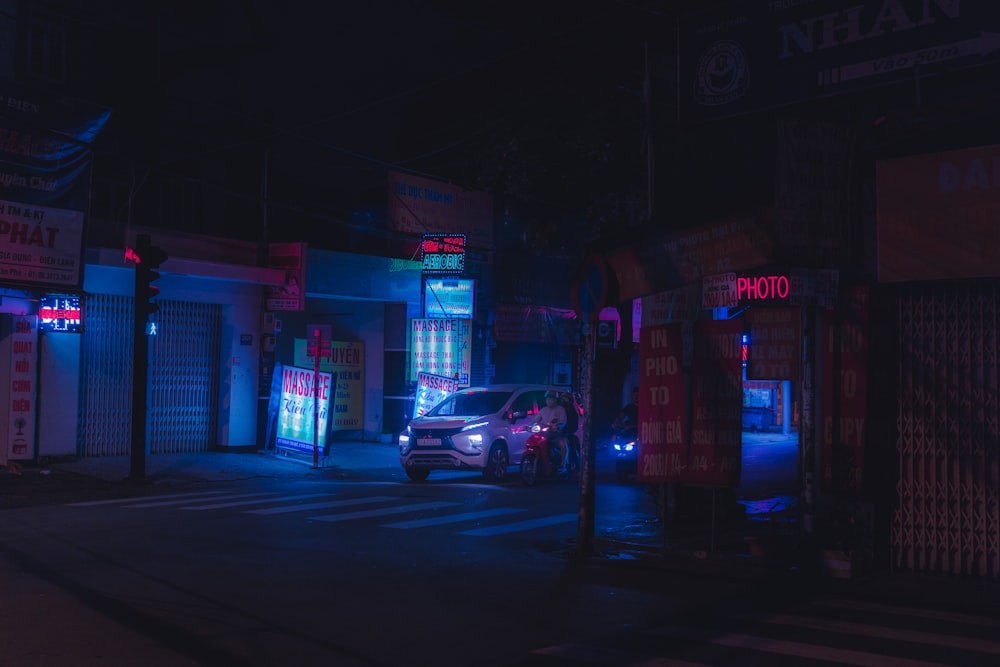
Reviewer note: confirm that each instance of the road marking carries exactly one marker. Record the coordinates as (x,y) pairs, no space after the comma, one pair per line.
(521,525)
(91,503)
(396,509)
(815,652)
(883,632)
(452,518)
(175,501)
(951,616)
(255,501)
(317,506)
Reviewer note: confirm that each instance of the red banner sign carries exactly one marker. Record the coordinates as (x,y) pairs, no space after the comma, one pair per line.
(775,344)
(662,445)
(843,455)
(716,431)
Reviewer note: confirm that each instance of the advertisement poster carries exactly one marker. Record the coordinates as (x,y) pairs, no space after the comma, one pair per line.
(291,257)
(419,205)
(346,362)
(22,405)
(297,413)
(717,428)
(40,245)
(431,390)
(719,291)
(662,445)
(937,215)
(775,350)
(843,454)
(440,347)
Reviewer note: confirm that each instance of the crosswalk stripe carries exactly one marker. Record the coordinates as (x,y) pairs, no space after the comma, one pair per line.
(319,506)
(595,655)
(954,617)
(816,652)
(883,632)
(254,501)
(180,501)
(521,525)
(452,518)
(395,509)
(116,501)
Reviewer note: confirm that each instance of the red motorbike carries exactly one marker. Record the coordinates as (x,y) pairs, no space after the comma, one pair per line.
(541,457)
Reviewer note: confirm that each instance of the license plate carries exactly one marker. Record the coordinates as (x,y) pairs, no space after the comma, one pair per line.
(429,442)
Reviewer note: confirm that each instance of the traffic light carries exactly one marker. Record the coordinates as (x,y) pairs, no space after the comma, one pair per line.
(150,257)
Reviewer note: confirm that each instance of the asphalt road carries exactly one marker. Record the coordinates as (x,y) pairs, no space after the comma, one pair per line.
(255,572)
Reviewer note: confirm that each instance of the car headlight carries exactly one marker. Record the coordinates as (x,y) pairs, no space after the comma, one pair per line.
(404,441)
(469,443)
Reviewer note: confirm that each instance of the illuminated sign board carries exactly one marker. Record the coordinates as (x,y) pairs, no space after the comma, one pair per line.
(449,297)
(443,253)
(60,312)
(431,390)
(298,411)
(440,346)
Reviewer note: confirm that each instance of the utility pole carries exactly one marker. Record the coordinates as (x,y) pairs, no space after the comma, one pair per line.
(588,453)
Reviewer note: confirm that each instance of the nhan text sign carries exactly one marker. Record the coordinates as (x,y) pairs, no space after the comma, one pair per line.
(440,346)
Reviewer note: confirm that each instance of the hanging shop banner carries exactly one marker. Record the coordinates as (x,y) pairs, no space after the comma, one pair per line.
(687,256)
(741,57)
(290,258)
(843,455)
(22,406)
(45,164)
(662,446)
(937,216)
(346,362)
(40,245)
(298,411)
(440,346)
(431,390)
(775,348)
(419,206)
(716,430)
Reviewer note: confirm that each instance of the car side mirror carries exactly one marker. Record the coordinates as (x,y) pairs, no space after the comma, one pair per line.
(514,415)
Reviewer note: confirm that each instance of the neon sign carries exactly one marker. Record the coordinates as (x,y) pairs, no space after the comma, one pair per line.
(443,253)
(60,312)
(759,288)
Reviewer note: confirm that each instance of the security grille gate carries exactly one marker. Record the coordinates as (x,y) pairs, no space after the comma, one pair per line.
(183,373)
(947,518)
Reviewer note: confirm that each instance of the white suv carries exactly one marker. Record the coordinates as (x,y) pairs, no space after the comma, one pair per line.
(480,428)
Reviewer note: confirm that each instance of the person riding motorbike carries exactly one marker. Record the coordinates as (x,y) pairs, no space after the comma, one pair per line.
(627,420)
(554,415)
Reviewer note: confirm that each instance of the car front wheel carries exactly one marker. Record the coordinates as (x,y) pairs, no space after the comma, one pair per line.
(497,463)
(417,474)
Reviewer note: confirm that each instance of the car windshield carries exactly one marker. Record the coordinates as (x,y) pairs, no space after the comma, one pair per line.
(471,404)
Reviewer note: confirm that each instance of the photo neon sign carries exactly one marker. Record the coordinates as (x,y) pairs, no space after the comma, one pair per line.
(762,288)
